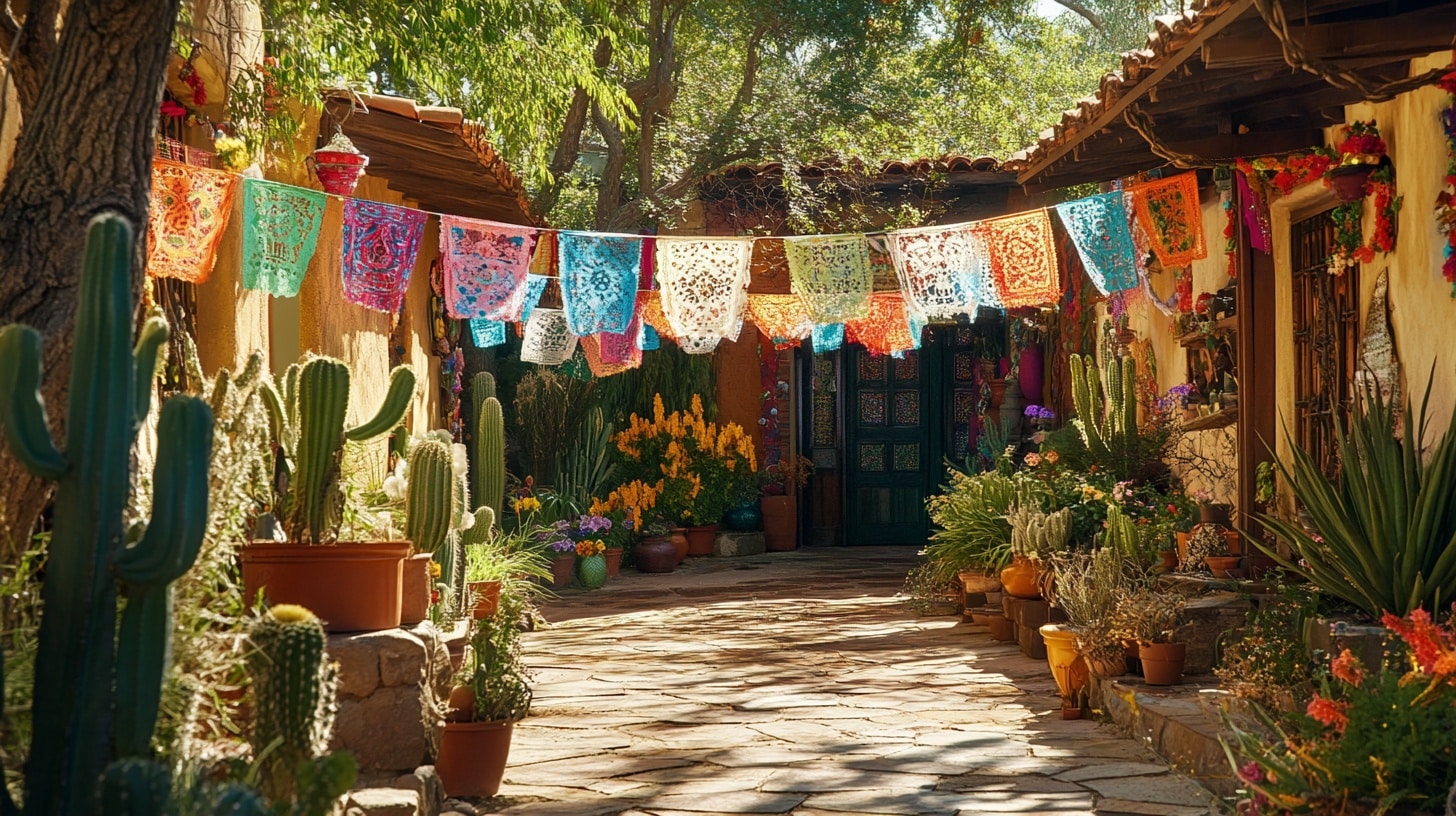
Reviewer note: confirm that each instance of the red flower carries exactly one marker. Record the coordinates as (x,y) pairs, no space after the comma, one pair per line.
(1347,668)
(172,109)
(1448,83)
(1329,712)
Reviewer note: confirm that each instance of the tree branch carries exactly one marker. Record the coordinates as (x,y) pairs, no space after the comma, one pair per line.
(609,193)
(568,144)
(1085,13)
(34,42)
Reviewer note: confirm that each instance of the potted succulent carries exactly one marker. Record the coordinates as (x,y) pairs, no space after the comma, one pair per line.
(492,693)
(1035,536)
(1150,618)
(351,586)
(972,533)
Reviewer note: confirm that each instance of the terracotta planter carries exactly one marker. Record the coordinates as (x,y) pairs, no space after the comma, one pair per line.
(473,757)
(1348,182)
(1068,667)
(351,586)
(415,589)
(998,392)
(1106,666)
(1220,565)
(487,597)
(1002,628)
(1162,662)
(780,522)
(614,561)
(980,581)
(1214,513)
(656,554)
(563,567)
(679,539)
(700,540)
(1022,578)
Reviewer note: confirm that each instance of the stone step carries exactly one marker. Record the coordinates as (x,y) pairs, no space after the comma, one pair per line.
(1180,723)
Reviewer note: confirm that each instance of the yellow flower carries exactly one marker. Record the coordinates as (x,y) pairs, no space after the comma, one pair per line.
(434,569)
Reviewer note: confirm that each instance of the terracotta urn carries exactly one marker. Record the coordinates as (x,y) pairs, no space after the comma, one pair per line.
(1068,667)
(655,554)
(1162,662)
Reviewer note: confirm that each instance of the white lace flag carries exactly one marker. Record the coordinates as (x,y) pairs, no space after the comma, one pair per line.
(935,267)
(704,288)
(548,340)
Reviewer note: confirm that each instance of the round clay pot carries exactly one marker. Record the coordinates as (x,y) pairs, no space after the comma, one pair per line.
(461,706)
(1162,662)
(1022,578)
(350,586)
(1068,667)
(415,589)
(592,571)
(487,597)
(473,757)
(614,561)
(1106,666)
(1168,560)
(655,554)
(563,567)
(679,539)
(780,523)
(1220,565)
(980,581)
(700,540)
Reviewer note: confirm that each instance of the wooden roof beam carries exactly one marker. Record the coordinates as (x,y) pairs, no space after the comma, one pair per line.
(1410,34)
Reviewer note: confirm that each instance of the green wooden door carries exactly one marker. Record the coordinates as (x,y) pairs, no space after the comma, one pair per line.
(891,445)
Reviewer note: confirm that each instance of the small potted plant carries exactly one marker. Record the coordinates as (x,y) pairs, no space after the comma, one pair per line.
(351,586)
(781,484)
(492,693)
(1150,619)
(499,562)
(1035,536)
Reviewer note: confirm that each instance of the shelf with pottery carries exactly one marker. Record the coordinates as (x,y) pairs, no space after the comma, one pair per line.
(1221,418)
(1225,327)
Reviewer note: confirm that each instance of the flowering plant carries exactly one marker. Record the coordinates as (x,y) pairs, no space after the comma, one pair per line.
(1177,397)
(631,502)
(1362,139)
(566,535)
(1369,741)
(712,463)
(1039,412)
(586,549)
(1446,199)
(1362,145)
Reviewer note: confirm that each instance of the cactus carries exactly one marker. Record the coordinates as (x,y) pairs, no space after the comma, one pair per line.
(1108,421)
(482,387)
(1038,534)
(490,455)
(97,684)
(293,693)
(135,787)
(429,508)
(309,416)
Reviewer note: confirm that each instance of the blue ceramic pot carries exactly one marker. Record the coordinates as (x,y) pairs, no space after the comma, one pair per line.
(744,517)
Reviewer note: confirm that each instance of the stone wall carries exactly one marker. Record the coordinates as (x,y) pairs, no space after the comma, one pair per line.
(392,687)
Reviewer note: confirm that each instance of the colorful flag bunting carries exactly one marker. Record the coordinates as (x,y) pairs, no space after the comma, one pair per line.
(599,280)
(280,231)
(189,211)
(380,244)
(485,267)
(1099,229)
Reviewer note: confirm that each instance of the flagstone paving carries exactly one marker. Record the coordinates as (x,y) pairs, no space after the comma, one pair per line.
(797,683)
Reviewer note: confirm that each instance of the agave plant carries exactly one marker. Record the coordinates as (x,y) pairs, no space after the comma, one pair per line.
(1385,528)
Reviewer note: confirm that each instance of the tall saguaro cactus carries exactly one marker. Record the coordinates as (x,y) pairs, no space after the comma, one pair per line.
(490,454)
(97,684)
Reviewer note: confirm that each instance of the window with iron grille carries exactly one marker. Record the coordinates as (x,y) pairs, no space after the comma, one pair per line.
(1326,325)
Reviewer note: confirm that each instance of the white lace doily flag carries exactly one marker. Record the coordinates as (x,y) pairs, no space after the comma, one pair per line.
(548,339)
(936,270)
(832,274)
(704,286)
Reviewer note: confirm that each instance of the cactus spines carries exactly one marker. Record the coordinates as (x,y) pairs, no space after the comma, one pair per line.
(309,414)
(429,507)
(479,532)
(1108,421)
(293,695)
(490,456)
(135,787)
(81,686)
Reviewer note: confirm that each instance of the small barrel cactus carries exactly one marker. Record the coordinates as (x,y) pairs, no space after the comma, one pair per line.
(293,691)
(430,504)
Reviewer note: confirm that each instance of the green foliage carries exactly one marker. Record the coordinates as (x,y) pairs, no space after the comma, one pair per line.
(588,470)
(669,371)
(308,419)
(1266,661)
(20,609)
(931,586)
(493,669)
(970,516)
(293,695)
(98,684)
(1039,534)
(1386,526)
(550,410)
(431,502)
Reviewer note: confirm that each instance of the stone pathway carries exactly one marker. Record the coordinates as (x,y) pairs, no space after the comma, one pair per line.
(796,683)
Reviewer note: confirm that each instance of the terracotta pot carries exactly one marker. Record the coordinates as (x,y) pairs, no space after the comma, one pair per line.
(1162,662)
(1071,712)
(679,539)
(487,597)
(563,568)
(1002,628)
(980,581)
(1214,513)
(1220,565)
(700,540)
(1348,182)
(655,554)
(473,757)
(1068,667)
(780,522)
(350,586)
(1106,666)
(415,589)
(1022,578)
(614,561)
(461,706)
(1168,560)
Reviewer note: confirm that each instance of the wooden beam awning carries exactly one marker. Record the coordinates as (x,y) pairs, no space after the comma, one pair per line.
(1214,84)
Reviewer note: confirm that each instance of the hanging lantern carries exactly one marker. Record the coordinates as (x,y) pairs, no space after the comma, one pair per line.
(339,165)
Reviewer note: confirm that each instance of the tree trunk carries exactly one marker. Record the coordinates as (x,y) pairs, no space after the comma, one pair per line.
(84,147)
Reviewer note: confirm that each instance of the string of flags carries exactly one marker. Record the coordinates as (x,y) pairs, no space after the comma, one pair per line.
(623,294)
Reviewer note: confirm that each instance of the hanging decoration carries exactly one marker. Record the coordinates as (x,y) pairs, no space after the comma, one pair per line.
(593,348)
(338,165)
(1446,199)
(189,211)
(888,329)
(485,267)
(1169,212)
(704,284)
(598,280)
(1023,258)
(487,333)
(783,319)
(548,339)
(1362,156)
(446,335)
(827,337)
(535,287)
(648,340)
(1294,170)
(622,348)
(653,316)
(935,270)
(380,244)
(1099,230)
(1256,211)
(832,274)
(280,231)
(983,280)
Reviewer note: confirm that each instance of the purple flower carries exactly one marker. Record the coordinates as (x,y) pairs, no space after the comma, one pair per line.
(1046,413)
(1032,411)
